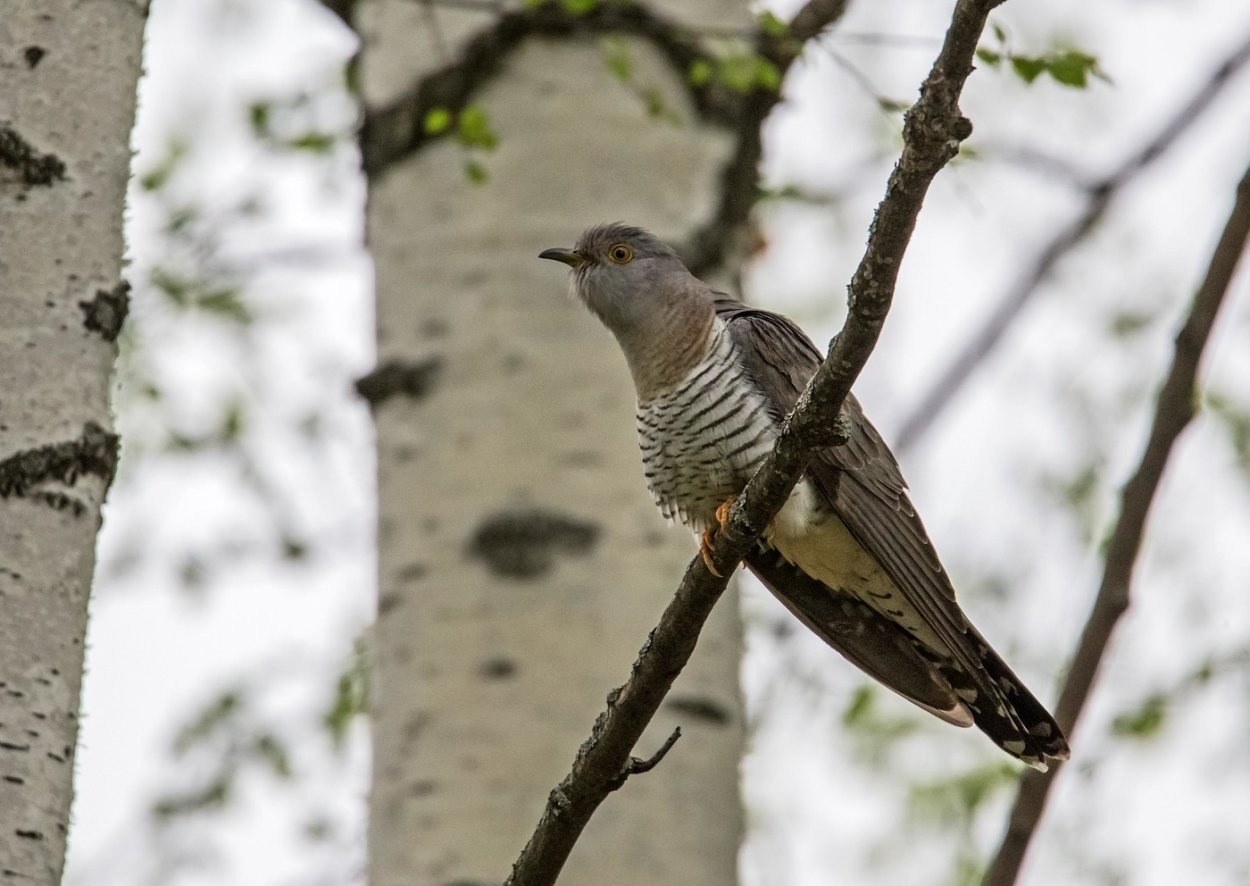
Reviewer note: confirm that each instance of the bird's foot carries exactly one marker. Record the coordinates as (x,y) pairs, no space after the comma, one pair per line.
(705,540)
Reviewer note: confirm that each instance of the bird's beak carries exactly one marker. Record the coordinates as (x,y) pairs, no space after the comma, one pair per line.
(570,257)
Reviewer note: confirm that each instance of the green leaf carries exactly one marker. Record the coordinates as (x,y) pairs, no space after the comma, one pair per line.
(351,696)
(772,26)
(700,72)
(579,7)
(1027,69)
(1073,68)
(960,796)
(475,172)
(616,58)
(269,749)
(1000,33)
(1143,723)
(226,302)
(860,708)
(313,142)
(437,120)
(474,129)
(990,57)
(258,118)
(767,76)
(737,72)
(214,716)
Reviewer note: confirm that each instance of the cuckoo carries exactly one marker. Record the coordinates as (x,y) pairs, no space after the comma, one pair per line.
(847,554)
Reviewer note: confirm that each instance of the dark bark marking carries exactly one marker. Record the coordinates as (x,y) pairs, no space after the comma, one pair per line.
(706,710)
(387,602)
(29,835)
(498,668)
(33,55)
(95,452)
(32,167)
(412,378)
(106,313)
(523,544)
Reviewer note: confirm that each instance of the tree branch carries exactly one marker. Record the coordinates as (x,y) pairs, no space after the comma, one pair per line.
(1173,412)
(1099,193)
(932,131)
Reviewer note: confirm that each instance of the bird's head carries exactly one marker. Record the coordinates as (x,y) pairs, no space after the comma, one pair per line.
(624,275)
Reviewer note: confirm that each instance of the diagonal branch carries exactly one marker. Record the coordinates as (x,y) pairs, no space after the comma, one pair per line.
(932,131)
(1173,412)
(1099,195)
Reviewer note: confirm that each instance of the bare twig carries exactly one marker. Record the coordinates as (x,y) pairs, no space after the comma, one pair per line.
(1173,412)
(637,766)
(932,131)
(1100,193)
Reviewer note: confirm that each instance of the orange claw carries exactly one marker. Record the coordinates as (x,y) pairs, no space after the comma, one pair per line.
(705,540)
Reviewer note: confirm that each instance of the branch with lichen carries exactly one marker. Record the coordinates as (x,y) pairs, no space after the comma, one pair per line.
(1173,412)
(932,131)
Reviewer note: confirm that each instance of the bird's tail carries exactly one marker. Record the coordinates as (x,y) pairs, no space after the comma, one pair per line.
(1011,716)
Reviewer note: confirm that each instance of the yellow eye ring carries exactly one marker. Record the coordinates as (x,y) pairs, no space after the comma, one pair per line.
(620,254)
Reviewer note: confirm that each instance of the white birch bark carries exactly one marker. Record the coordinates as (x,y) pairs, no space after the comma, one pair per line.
(522,562)
(68,74)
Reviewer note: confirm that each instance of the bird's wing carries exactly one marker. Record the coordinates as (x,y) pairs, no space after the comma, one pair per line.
(861,483)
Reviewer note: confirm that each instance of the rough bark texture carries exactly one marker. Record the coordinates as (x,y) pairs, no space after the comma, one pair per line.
(68,72)
(521,559)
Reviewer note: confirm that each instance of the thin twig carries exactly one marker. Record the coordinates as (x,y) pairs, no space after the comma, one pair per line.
(1100,193)
(932,132)
(1173,412)
(637,766)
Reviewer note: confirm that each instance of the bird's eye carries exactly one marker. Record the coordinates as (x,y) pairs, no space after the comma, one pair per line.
(620,254)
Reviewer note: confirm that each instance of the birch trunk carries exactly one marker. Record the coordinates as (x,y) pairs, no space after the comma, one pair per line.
(68,74)
(521,560)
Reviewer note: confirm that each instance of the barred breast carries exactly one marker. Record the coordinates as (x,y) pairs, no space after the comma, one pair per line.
(703,439)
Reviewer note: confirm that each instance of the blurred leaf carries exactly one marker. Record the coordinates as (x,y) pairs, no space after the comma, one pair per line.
(157,177)
(475,172)
(351,696)
(1125,324)
(474,131)
(313,142)
(437,120)
(700,72)
(771,25)
(1236,420)
(990,57)
(960,796)
(213,795)
(259,117)
(225,302)
(616,59)
(579,7)
(1026,68)
(267,748)
(1074,68)
(1143,723)
(222,710)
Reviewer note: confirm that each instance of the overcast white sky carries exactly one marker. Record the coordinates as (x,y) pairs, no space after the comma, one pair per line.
(1174,810)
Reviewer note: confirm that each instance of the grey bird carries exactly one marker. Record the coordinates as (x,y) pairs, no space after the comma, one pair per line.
(847,554)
